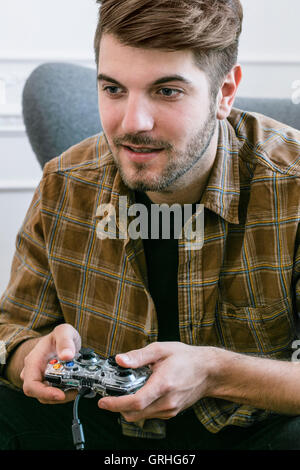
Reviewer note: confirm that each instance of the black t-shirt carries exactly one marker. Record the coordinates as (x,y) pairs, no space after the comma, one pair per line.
(162,267)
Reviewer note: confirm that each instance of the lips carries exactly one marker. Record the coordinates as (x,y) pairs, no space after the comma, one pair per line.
(142,149)
(141,154)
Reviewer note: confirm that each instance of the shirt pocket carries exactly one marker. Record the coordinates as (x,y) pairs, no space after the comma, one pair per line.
(267,330)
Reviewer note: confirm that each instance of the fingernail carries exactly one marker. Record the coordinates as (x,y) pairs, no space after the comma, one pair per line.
(67,352)
(125,358)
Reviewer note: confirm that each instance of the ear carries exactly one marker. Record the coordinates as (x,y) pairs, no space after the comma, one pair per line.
(228,91)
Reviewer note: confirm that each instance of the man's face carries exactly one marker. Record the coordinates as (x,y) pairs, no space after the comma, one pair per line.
(156,111)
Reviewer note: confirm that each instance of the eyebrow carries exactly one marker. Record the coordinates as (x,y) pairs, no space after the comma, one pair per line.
(159,81)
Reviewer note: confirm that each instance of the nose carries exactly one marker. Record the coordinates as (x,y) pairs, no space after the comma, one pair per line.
(137,116)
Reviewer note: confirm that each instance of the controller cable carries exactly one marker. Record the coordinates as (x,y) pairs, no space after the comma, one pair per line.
(77,429)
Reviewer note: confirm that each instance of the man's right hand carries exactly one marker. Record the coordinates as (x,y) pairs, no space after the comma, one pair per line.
(64,341)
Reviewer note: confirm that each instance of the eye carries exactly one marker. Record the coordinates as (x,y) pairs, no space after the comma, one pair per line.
(111,89)
(170,92)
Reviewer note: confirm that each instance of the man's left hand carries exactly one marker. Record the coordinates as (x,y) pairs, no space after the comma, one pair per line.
(181,375)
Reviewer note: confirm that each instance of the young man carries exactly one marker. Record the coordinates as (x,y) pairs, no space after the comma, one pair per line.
(217,323)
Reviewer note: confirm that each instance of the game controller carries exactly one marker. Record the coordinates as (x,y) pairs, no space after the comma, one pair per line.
(102,376)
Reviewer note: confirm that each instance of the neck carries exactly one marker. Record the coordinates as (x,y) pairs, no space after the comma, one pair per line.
(190,187)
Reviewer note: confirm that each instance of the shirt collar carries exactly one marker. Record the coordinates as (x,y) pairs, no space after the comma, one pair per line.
(222,192)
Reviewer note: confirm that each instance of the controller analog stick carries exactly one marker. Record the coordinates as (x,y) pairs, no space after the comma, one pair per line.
(112,361)
(86,354)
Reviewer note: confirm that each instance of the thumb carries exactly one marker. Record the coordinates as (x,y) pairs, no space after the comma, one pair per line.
(150,354)
(67,341)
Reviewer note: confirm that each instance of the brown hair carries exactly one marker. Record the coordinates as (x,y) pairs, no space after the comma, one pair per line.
(210,28)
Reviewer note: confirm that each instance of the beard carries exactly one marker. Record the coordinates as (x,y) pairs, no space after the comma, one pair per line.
(178,162)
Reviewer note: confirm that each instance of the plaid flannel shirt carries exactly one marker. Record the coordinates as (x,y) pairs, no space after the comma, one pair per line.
(240,291)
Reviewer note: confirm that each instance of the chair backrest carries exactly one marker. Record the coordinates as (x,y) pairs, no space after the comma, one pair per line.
(281,109)
(60,108)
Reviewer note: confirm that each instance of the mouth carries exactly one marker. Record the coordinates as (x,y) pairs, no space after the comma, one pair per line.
(141,154)
(142,149)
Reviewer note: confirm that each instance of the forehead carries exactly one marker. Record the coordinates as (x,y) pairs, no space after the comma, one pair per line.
(145,65)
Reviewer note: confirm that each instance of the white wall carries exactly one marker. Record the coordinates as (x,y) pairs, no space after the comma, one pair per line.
(270,47)
(31,32)
(35,31)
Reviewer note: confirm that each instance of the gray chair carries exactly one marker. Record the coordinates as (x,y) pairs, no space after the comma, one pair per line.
(60,108)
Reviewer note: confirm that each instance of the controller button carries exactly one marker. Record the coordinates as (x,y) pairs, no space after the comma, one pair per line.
(53,361)
(57,366)
(92,368)
(69,364)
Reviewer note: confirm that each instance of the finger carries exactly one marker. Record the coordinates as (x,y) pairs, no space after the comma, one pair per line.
(33,380)
(141,357)
(67,341)
(68,395)
(161,408)
(166,407)
(138,401)
(117,404)
(44,393)
(33,373)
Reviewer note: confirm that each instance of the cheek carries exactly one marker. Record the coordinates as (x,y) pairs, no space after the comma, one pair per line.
(109,117)
(174,124)
(178,129)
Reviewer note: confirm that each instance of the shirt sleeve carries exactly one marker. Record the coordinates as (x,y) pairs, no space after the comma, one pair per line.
(297,275)
(29,307)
